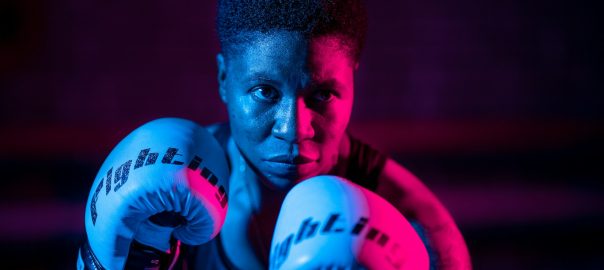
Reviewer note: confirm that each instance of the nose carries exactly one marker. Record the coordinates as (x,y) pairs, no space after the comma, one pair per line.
(293,122)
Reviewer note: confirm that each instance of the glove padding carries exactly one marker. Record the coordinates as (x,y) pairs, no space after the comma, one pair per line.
(169,167)
(327,222)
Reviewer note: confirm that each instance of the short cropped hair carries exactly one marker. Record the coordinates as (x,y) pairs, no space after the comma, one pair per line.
(346,19)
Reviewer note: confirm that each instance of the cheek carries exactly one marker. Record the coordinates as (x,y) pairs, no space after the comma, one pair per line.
(331,126)
(337,117)
(248,124)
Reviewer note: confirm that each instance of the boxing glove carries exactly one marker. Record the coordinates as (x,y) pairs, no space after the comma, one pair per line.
(327,222)
(168,179)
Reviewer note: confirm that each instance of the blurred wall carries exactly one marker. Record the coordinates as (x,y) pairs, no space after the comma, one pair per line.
(103,62)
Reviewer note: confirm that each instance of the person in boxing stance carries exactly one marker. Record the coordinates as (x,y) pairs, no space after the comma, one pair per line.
(255,193)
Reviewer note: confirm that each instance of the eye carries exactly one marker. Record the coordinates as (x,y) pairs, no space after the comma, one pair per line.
(265,93)
(323,95)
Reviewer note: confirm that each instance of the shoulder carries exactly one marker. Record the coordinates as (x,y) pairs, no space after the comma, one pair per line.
(359,162)
(396,174)
(380,173)
(218,128)
(221,131)
(399,186)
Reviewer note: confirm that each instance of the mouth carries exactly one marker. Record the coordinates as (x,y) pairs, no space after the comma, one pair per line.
(290,160)
(290,167)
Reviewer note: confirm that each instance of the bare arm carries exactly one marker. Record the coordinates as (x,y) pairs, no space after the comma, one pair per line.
(410,196)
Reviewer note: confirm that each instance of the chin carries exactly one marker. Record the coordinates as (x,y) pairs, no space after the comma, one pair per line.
(279,183)
(285,182)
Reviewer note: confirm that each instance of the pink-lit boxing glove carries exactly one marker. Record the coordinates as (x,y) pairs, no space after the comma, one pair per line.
(327,222)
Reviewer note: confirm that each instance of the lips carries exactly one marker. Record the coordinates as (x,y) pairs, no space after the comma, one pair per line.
(291,159)
(290,167)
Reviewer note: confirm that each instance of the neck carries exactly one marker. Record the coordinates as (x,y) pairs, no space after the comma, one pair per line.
(265,203)
(255,202)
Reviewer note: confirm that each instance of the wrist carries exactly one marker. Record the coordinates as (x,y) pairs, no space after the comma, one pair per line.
(140,256)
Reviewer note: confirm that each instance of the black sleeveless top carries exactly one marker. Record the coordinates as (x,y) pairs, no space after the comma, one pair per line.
(363,167)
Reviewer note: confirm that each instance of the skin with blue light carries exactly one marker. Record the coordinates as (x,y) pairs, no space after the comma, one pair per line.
(289,100)
(289,103)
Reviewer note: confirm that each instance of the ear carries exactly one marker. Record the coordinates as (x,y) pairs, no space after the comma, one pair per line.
(221,76)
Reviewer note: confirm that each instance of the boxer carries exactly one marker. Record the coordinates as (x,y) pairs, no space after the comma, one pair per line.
(286,76)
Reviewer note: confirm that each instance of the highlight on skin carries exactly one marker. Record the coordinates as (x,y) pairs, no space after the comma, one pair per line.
(289,101)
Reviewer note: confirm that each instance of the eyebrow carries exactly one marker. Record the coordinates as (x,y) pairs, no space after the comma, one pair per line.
(261,76)
(266,77)
(330,83)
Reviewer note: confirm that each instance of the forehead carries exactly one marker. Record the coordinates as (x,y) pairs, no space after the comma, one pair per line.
(286,50)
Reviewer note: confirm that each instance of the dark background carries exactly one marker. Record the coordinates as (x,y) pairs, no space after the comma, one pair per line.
(497,106)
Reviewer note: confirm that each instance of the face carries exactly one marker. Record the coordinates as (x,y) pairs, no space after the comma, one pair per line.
(289,102)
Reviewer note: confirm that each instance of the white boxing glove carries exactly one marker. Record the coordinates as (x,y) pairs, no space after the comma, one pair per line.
(327,222)
(168,178)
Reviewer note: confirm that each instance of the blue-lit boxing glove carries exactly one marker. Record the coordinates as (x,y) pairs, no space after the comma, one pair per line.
(165,180)
(327,222)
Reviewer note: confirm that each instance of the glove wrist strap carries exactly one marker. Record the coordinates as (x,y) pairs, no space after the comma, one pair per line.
(140,257)
(89,260)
